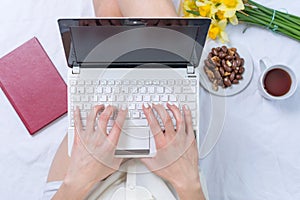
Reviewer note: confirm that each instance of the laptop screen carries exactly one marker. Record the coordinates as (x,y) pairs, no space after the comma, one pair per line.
(133,40)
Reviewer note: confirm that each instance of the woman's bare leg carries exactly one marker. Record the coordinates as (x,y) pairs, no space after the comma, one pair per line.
(147,8)
(134,8)
(60,162)
(107,8)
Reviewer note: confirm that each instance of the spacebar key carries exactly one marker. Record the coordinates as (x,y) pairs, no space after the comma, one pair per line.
(135,123)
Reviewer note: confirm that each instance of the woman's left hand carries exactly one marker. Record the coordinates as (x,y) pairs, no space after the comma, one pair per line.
(92,157)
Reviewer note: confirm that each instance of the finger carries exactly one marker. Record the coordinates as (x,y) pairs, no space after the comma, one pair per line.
(77,120)
(90,121)
(166,119)
(115,132)
(77,126)
(158,135)
(76,142)
(188,121)
(180,124)
(104,118)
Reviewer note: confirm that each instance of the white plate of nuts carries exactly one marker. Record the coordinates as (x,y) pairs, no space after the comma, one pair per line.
(225,69)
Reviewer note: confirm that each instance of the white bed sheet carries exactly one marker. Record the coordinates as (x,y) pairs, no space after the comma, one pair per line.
(25,160)
(257,156)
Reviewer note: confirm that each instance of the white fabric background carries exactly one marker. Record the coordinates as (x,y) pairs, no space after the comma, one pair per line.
(256,157)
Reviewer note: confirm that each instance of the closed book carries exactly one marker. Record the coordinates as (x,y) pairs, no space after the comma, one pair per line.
(33,85)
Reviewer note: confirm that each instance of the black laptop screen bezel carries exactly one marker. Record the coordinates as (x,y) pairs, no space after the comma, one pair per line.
(201,25)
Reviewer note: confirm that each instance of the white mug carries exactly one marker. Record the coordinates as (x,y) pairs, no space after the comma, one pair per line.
(266,67)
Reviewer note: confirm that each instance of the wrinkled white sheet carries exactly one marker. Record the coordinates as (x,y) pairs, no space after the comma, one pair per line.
(256,157)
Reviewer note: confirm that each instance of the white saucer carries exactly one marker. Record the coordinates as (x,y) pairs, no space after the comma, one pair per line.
(235,88)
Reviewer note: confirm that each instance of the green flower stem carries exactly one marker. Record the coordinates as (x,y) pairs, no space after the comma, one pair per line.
(275,22)
(285,17)
(277,19)
(253,20)
(282,32)
(282,15)
(283,23)
(263,23)
(256,19)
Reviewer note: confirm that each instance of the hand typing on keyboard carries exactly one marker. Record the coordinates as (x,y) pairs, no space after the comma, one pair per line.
(92,157)
(177,156)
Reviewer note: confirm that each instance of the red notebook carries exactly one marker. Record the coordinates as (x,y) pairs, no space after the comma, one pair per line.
(33,85)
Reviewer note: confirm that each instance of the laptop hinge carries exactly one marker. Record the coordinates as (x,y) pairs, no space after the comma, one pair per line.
(190,69)
(76,69)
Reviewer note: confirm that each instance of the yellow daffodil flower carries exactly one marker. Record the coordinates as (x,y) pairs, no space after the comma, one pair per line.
(216,1)
(204,8)
(217,30)
(219,11)
(234,20)
(220,15)
(230,7)
(205,11)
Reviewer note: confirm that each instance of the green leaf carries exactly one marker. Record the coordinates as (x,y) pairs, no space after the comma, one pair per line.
(193,12)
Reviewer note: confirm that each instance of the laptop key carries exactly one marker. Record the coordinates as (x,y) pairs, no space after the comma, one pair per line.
(80,82)
(87,106)
(88,82)
(80,90)
(73,82)
(189,90)
(131,106)
(190,97)
(84,98)
(103,98)
(73,90)
(95,82)
(75,98)
(135,114)
(89,90)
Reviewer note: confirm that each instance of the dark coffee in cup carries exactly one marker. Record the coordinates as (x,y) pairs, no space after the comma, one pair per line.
(277,82)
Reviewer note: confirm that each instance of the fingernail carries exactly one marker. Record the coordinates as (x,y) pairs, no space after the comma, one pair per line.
(154,104)
(186,107)
(170,103)
(124,107)
(146,105)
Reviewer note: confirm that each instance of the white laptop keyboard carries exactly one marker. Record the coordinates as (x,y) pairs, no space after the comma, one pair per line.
(133,93)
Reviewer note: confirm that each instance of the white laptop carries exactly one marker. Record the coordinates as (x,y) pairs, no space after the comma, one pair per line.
(117,61)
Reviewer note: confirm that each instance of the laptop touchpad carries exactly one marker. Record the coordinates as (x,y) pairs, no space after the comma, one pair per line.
(134,141)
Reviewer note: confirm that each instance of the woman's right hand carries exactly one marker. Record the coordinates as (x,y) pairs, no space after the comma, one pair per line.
(176,160)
